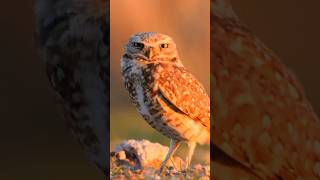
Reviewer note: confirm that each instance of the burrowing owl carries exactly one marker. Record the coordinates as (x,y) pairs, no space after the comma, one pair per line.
(263,120)
(73,36)
(168,97)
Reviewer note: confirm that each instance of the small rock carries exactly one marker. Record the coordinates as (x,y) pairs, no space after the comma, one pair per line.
(143,153)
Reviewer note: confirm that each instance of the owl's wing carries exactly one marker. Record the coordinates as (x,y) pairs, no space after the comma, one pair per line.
(263,118)
(184,94)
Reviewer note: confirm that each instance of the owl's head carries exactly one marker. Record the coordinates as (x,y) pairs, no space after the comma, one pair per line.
(151,46)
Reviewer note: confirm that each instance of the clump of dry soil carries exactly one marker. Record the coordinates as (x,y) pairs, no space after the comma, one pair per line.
(141,159)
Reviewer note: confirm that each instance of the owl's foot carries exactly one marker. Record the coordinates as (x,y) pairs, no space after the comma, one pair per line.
(170,168)
(174,144)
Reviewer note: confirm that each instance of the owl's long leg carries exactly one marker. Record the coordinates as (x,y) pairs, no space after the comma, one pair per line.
(191,147)
(174,144)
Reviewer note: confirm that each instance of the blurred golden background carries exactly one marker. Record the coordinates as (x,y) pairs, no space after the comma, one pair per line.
(35,144)
(291,29)
(189,26)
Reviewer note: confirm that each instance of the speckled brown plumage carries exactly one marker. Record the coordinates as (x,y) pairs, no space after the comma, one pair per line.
(168,97)
(263,120)
(73,36)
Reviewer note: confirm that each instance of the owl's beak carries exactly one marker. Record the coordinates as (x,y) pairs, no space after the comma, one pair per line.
(151,52)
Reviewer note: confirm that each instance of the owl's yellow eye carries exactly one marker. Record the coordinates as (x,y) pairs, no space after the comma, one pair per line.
(138,45)
(164,45)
